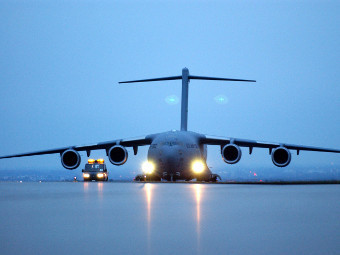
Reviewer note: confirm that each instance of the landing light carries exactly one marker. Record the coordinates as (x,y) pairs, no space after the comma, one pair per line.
(198,166)
(86,175)
(148,167)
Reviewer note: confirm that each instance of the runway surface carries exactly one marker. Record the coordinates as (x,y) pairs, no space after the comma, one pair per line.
(165,218)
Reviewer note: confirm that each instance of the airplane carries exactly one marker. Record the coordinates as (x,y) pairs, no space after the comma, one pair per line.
(178,154)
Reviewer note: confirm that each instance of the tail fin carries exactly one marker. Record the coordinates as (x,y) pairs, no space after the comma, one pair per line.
(186,77)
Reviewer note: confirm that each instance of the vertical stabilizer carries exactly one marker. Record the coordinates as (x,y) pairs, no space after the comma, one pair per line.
(185,77)
(185,98)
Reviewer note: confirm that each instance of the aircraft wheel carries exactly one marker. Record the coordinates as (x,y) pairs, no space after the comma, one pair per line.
(139,178)
(214,178)
(202,179)
(154,178)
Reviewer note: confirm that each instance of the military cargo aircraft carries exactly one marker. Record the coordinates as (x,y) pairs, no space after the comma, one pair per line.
(178,154)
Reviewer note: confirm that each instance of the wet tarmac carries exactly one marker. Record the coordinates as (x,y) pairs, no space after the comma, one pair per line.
(165,218)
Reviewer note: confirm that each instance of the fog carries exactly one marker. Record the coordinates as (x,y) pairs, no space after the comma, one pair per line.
(61,62)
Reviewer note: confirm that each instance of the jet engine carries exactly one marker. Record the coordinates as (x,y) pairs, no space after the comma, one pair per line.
(281,156)
(70,159)
(118,155)
(231,153)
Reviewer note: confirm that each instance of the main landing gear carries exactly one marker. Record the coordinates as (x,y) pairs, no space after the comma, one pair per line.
(146,178)
(211,178)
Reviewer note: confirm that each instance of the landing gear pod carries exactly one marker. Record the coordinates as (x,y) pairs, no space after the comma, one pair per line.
(70,159)
(231,153)
(281,156)
(118,155)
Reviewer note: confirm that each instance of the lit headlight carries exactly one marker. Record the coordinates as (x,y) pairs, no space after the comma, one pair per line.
(198,166)
(86,175)
(148,167)
(100,175)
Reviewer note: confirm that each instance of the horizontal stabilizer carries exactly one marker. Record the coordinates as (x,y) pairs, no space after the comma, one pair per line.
(186,77)
(193,77)
(155,79)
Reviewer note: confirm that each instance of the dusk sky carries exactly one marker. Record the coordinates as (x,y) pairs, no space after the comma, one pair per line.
(61,62)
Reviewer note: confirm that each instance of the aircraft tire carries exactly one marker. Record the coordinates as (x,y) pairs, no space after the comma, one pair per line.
(154,178)
(213,179)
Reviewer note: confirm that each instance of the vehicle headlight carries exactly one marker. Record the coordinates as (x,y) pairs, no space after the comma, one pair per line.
(100,175)
(86,175)
(148,167)
(198,166)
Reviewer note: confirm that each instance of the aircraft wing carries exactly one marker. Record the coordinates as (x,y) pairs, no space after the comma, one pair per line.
(215,140)
(130,142)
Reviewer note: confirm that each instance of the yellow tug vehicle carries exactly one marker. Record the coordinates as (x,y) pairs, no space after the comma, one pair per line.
(95,170)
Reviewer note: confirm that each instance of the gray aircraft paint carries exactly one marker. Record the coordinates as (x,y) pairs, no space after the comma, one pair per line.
(173,152)
(185,97)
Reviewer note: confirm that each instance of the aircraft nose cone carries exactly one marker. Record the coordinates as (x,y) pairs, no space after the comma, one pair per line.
(171,159)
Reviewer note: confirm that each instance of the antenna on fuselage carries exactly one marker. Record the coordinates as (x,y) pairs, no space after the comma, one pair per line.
(186,77)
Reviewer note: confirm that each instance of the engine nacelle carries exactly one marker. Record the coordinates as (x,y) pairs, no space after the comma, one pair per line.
(70,159)
(118,155)
(231,153)
(281,156)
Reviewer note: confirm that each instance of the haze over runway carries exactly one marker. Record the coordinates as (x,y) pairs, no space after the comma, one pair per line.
(61,63)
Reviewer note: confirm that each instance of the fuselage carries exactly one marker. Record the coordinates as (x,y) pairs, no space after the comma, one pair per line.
(173,154)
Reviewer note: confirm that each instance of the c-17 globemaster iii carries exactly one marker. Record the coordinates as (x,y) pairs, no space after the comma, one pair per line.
(178,154)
